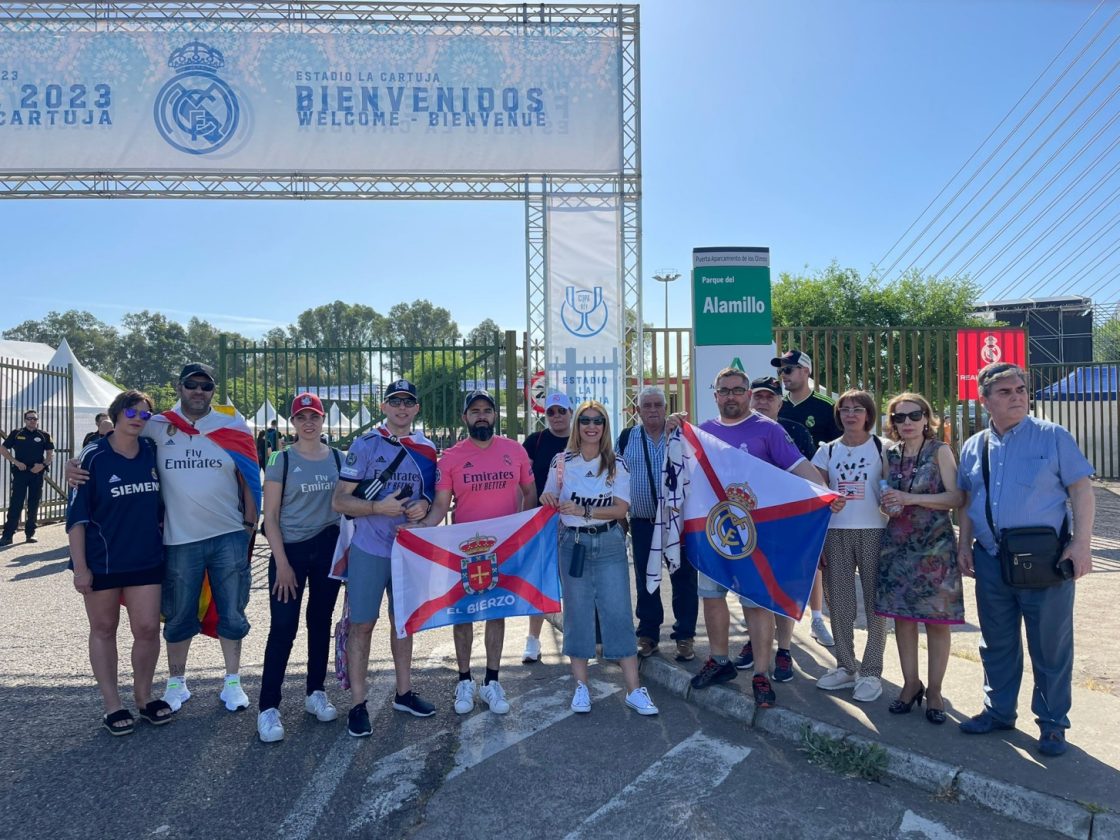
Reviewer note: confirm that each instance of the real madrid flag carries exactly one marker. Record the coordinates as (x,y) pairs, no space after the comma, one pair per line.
(475,571)
(750,526)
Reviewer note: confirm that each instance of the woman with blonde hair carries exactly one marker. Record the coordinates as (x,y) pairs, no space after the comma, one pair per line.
(919,581)
(590,487)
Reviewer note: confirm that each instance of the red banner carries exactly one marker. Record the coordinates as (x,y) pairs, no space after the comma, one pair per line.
(979,347)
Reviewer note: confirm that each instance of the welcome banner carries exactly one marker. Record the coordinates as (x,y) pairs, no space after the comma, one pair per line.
(585,320)
(357,99)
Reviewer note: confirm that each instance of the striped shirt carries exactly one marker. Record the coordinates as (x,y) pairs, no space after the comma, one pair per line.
(641,450)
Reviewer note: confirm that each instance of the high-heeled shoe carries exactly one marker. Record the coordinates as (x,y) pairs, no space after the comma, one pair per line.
(903,707)
(935,716)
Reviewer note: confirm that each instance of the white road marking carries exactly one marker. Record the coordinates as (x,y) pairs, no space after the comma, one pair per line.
(913,824)
(696,757)
(304,816)
(393,783)
(486,734)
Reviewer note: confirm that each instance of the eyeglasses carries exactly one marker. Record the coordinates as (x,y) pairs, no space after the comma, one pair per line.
(853,409)
(556,411)
(130,413)
(589,421)
(195,385)
(397,402)
(900,416)
(31,419)
(738,391)
(788,369)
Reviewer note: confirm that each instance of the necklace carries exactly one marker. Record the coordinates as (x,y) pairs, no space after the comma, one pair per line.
(914,469)
(852,447)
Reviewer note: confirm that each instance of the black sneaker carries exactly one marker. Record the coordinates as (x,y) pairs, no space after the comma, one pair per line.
(5,540)
(763,694)
(414,704)
(745,659)
(357,722)
(31,538)
(713,673)
(783,666)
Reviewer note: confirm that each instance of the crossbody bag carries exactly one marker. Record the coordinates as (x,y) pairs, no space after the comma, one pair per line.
(1029,557)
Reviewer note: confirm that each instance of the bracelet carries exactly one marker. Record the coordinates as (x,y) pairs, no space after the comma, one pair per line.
(248,524)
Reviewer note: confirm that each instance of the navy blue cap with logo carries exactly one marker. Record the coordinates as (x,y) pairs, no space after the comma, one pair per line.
(478,395)
(400,386)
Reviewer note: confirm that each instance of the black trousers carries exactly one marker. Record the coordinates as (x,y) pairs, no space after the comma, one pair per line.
(311,562)
(649,612)
(26,487)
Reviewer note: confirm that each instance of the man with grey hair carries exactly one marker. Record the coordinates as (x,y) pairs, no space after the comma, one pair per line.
(1020,472)
(642,448)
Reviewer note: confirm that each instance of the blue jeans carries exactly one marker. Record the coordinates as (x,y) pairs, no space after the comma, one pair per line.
(603,589)
(1048,614)
(650,612)
(226,559)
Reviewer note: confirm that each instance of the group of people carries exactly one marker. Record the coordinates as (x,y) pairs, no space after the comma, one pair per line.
(891,523)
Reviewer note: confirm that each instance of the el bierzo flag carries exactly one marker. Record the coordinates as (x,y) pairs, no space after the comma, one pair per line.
(754,528)
(475,571)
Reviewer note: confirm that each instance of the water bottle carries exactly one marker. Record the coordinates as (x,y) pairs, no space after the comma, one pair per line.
(889,510)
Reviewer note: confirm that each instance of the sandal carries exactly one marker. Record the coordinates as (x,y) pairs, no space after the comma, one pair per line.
(157,712)
(120,716)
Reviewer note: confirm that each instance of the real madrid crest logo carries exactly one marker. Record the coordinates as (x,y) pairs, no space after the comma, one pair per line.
(730,529)
(196,111)
(171,429)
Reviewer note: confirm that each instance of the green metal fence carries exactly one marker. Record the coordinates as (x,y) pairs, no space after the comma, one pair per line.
(262,379)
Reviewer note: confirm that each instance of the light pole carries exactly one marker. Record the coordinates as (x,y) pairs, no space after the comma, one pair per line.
(667,277)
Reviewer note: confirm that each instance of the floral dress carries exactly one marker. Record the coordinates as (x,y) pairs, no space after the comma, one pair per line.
(918,575)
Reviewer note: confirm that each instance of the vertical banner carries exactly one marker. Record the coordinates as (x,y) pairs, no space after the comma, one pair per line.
(731,318)
(979,347)
(584,333)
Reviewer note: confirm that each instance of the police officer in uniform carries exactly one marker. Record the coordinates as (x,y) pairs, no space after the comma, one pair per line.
(29,451)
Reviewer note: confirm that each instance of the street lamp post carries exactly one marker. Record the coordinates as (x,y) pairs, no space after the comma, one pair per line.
(666,277)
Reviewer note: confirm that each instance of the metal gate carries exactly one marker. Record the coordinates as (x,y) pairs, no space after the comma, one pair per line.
(262,379)
(50,392)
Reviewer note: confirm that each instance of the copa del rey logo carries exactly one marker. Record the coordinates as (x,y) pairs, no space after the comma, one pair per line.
(479,566)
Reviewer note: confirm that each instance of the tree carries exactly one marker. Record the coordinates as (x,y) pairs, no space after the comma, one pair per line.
(421,324)
(95,343)
(486,334)
(339,324)
(157,349)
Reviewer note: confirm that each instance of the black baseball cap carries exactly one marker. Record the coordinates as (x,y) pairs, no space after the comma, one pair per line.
(401,386)
(197,369)
(767,383)
(793,358)
(479,395)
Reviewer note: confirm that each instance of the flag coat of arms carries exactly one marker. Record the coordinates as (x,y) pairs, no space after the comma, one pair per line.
(754,528)
(475,571)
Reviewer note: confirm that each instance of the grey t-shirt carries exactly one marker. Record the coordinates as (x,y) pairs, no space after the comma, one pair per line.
(306,508)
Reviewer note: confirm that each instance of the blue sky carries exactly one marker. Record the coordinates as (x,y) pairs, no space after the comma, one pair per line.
(820,129)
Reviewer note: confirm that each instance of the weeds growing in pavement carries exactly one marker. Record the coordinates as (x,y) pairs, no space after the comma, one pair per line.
(861,761)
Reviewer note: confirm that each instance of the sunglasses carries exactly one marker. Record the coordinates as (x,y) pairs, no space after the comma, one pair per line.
(195,385)
(738,391)
(397,402)
(900,417)
(788,369)
(592,421)
(131,413)
(555,412)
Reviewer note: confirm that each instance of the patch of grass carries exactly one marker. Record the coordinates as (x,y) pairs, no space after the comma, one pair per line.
(856,760)
(1092,807)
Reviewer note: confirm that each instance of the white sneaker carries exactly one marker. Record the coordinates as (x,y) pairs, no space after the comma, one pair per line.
(581,702)
(318,704)
(867,689)
(639,701)
(836,678)
(176,693)
(269,726)
(465,693)
(819,631)
(494,697)
(233,695)
(532,650)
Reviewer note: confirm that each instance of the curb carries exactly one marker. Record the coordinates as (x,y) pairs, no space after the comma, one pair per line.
(1031,807)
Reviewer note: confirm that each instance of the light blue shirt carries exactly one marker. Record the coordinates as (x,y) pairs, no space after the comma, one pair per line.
(1032,466)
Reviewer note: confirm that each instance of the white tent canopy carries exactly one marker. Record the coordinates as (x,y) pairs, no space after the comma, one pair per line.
(362,419)
(337,421)
(266,414)
(90,390)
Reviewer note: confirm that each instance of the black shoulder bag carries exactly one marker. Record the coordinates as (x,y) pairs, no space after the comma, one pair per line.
(1029,558)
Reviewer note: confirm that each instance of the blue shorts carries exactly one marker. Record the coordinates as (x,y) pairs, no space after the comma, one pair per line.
(708,588)
(226,559)
(368,578)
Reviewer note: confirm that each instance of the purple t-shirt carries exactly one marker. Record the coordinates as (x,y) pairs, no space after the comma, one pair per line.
(761,437)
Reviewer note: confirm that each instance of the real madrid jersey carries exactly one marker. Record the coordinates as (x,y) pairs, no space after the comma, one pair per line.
(120,507)
(583,484)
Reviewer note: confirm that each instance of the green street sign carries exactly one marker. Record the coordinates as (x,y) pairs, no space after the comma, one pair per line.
(731,296)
